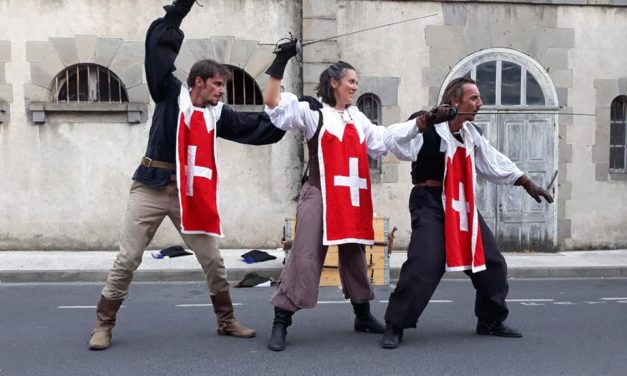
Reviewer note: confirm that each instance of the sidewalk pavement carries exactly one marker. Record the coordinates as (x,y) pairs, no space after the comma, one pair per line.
(93,266)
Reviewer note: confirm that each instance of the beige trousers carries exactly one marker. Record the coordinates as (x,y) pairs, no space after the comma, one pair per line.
(147,207)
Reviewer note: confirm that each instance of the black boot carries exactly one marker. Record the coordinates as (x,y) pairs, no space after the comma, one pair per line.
(364,321)
(392,337)
(282,319)
(496,328)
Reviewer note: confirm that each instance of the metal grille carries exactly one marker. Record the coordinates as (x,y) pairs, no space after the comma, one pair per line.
(242,89)
(88,83)
(370,105)
(618,135)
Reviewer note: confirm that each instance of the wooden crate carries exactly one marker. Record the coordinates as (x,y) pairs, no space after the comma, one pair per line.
(377,255)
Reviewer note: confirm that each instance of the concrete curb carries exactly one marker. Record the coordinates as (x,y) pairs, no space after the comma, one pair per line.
(236,274)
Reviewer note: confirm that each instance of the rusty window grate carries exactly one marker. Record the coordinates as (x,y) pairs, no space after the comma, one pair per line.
(88,83)
(242,89)
(370,105)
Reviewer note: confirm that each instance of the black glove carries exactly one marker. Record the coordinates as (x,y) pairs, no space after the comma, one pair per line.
(284,52)
(314,104)
(177,11)
(440,114)
(533,190)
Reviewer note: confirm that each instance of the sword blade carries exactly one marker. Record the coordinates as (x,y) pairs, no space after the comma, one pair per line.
(367,29)
(547,112)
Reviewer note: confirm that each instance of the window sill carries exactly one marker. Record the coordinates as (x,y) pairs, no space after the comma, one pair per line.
(135,112)
(618,176)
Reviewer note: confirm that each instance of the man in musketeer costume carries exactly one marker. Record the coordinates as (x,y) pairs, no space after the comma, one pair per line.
(178,175)
(335,204)
(448,233)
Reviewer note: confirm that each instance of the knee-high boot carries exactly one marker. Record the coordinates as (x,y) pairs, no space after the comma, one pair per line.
(227,325)
(106,312)
(282,319)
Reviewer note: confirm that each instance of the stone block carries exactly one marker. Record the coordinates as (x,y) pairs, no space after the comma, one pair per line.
(565,118)
(434,76)
(86,47)
(454,14)
(260,60)
(132,75)
(6,93)
(311,72)
(622,86)
(443,56)
(309,89)
(323,52)
(185,60)
(5,51)
(138,93)
(201,48)
(565,152)
(44,54)
(434,93)
(390,114)
(389,172)
(554,58)
(35,93)
(600,153)
(242,51)
(222,48)
(319,8)
(106,48)
(564,228)
(562,96)
(562,77)
(437,35)
(601,171)
(319,28)
(39,76)
(66,49)
(546,16)
(2,74)
(129,55)
(606,91)
(386,88)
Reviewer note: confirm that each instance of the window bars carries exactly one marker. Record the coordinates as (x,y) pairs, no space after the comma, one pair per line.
(88,83)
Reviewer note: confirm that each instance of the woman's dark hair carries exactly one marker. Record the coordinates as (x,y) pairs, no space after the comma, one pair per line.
(206,69)
(324,88)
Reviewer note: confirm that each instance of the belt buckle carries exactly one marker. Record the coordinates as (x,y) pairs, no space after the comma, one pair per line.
(147,161)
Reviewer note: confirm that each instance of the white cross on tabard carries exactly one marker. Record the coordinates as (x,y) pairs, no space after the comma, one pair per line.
(353,181)
(192,171)
(462,207)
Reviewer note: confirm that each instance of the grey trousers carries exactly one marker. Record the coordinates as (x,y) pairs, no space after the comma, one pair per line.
(298,284)
(147,207)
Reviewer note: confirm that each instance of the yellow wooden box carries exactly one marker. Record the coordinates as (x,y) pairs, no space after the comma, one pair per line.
(377,255)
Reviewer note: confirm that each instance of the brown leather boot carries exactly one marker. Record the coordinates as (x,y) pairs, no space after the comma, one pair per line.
(105,321)
(227,325)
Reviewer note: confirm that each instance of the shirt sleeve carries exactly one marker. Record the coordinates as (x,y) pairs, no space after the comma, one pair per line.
(291,114)
(494,165)
(374,137)
(252,128)
(163,42)
(403,140)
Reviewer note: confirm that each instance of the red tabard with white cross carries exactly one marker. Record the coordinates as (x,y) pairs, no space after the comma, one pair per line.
(464,247)
(345,184)
(198,175)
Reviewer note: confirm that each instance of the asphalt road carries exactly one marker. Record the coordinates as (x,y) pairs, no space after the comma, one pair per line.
(570,327)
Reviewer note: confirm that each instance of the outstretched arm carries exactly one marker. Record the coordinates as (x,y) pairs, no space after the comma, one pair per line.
(163,42)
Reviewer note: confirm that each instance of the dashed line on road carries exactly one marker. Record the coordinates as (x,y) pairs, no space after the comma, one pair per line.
(430,301)
(528,300)
(613,298)
(202,305)
(81,307)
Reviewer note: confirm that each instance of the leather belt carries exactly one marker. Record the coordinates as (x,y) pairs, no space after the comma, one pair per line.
(148,162)
(429,183)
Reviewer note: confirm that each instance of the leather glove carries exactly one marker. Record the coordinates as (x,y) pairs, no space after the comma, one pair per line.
(533,190)
(178,10)
(314,104)
(284,52)
(440,114)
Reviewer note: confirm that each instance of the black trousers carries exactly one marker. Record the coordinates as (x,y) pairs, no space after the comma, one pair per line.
(425,265)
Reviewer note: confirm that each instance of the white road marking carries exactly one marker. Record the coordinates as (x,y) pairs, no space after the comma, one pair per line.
(613,298)
(430,301)
(565,303)
(80,307)
(531,304)
(528,300)
(334,301)
(202,305)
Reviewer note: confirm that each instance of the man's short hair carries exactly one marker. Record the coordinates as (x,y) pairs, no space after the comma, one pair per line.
(206,69)
(454,89)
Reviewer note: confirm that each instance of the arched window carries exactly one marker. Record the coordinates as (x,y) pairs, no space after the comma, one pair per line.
(506,83)
(242,89)
(370,105)
(88,83)
(618,135)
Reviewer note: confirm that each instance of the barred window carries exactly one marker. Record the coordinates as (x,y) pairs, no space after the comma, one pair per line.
(370,105)
(88,83)
(242,89)
(618,135)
